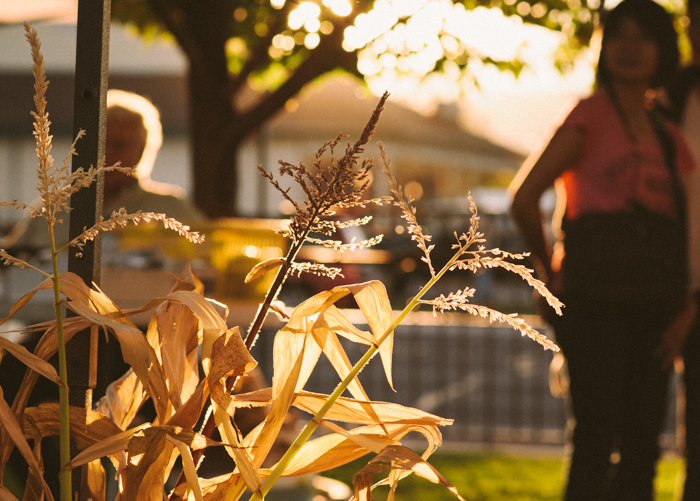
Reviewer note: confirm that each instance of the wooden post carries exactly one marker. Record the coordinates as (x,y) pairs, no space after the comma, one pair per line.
(91,62)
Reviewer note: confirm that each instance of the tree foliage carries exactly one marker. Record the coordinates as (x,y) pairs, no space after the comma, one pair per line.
(277,47)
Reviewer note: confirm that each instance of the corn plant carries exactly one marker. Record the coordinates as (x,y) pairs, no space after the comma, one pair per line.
(187,329)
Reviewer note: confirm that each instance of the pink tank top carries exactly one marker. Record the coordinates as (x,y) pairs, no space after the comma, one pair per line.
(610,175)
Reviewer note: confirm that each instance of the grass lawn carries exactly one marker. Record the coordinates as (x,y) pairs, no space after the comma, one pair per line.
(494,476)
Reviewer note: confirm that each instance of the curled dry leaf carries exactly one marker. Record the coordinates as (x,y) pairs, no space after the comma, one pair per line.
(230,358)
(343,446)
(120,441)
(149,453)
(309,319)
(110,445)
(32,361)
(261,268)
(398,457)
(340,447)
(188,415)
(12,430)
(87,427)
(178,343)
(6,495)
(97,481)
(136,352)
(122,399)
(190,469)
(355,411)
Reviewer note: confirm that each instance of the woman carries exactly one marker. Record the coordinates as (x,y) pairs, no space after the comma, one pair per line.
(618,165)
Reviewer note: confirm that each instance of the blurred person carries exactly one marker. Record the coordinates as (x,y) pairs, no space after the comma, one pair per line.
(620,262)
(134,135)
(684,98)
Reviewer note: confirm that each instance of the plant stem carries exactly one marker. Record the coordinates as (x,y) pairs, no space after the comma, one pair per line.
(314,423)
(64,441)
(280,278)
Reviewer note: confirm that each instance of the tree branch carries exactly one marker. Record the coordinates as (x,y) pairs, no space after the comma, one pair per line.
(166,12)
(321,59)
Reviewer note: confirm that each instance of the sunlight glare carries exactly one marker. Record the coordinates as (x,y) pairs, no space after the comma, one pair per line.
(340,8)
(304,12)
(312,25)
(523,8)
(312,40)
(388,61)
(401,41)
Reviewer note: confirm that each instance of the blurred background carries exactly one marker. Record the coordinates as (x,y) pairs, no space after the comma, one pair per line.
(476,87)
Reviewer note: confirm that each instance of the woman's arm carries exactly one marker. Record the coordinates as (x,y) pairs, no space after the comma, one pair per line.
(531,182)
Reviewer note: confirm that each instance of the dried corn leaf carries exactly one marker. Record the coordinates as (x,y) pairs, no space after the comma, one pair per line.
(210,318)
(292,349)
(191,439)
(330,344)
(86,427)
(6,495)
(122,400)
(45,349)
(354,411)
(120,441)
(212,324)
(188,281)
(22,302)
(96,481)
(223,488)
(261,268)
(258,398)
(148,456)
(190,470)
(33,490)
(404,458)
(111,445)
(294,359)
(373,301)
(188,415)
(177,330)
(333,450)
(136,352)
(339,324)
(230,357)
(13,431)
(362,481)
(343,446)
(244,464)
(396,432)
(262,438)
(32,361)
(372,443)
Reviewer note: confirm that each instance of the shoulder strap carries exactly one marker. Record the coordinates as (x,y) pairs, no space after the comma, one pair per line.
(668,147)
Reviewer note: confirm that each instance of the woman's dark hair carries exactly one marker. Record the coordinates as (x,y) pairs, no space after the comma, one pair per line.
(656,24)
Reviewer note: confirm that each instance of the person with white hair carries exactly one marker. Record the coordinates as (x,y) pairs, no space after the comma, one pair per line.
(134,136)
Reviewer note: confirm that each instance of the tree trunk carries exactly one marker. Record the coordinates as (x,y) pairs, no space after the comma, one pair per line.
(214,152)
(217,128)
(211,110)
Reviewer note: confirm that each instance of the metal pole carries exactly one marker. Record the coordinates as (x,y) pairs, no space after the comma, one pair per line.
(91,61)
